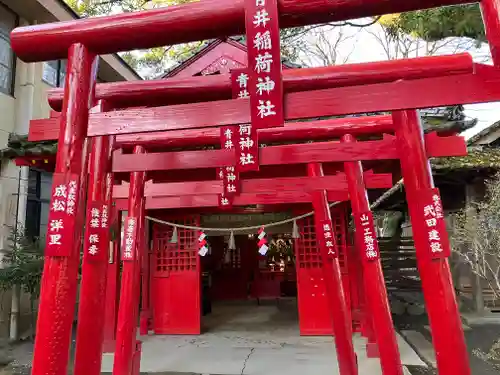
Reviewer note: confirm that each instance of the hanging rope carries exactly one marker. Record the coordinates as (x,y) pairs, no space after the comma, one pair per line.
(254,227)
(375,204)
(387,194)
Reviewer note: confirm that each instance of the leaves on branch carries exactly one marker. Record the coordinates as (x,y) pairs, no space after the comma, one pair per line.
(22,262)
(438,23)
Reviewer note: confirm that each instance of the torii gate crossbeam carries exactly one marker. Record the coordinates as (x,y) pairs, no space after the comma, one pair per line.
(188,23)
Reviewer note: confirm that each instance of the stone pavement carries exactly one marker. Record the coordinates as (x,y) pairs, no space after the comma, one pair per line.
(252,340)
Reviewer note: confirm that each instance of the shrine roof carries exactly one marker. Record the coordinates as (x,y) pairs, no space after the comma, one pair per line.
(478,158)
(236,41)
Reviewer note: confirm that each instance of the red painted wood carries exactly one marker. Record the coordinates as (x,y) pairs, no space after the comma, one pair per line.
(240,200)
(280,155)
(276,155)
(437,285)
(177,270)
(482,86)
(337,182)
(202,20)
(314,313)
(198,201)
(129,296)
(218,87)
(375,289)
(187,89)
(43,130)
(112,287)
(145,290)
(90,327)
(490,10)
(339,309)
(264,64)
(59,279)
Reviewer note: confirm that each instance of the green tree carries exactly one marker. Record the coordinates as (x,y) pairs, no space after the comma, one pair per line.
(153,61)
(22,266)
(438,23)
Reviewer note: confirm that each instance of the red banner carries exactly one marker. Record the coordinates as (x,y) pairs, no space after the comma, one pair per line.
(246,142)
(230,186)
(431,218)
(63,205)
(367,236)
(231,182)
(96,232)
(248,149)
(129,238)
(225,202)
(327,238)
(264,63)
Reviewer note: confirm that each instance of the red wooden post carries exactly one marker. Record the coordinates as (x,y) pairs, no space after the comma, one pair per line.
(144,275)
(375,290)
(341,321)
(90,329)
(136,362)
(491,17)
(113,272)
(59,280)
(437,285)
(112,284)
(128,308)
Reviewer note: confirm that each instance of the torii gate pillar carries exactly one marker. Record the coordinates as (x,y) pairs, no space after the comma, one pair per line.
(374,285)
(342,325)
(130,286)
(440,300)
(490,10)
(60,274)
(90,329)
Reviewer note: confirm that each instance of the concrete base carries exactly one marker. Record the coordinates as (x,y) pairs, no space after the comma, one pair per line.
(252,340)
(486,317)
(421,345)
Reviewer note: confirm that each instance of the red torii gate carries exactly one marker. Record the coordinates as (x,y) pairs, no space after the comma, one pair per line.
(84,39)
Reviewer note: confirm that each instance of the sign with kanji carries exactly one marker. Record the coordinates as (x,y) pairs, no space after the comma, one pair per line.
(96,232)
(246,141)
(61,223)
(366,235)
(248,149)
(264,63)
(228,136)
(129,238)
(230,186)
(432,219)
(231,182)
(327,238)
(239,83)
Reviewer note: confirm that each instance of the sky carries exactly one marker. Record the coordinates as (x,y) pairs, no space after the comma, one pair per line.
(368,44)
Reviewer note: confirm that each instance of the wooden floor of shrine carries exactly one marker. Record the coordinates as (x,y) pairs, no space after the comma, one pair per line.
(246,338)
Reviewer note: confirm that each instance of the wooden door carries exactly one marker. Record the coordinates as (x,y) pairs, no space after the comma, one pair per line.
(314,315)
(176,280)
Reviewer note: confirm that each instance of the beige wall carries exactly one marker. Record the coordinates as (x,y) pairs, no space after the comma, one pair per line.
(14,116)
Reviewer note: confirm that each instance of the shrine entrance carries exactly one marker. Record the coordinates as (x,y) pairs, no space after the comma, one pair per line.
(232,279)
